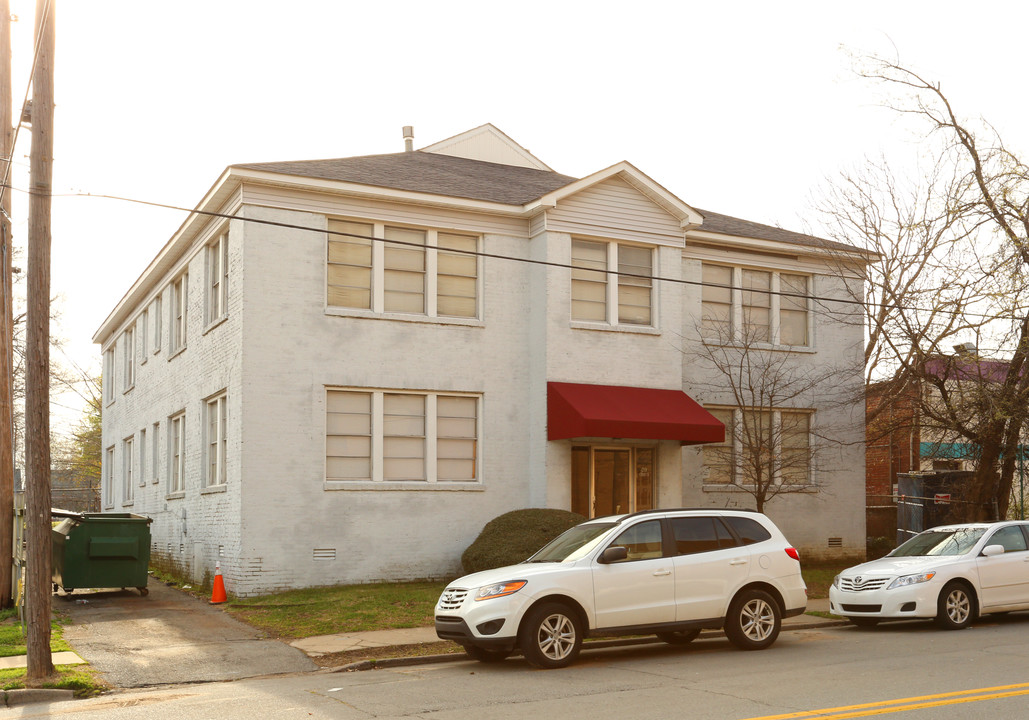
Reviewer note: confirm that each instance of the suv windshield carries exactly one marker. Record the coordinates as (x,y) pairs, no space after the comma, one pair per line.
(957,541)
(571,544)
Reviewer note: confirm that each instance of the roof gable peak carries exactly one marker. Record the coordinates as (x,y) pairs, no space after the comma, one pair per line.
(489,144)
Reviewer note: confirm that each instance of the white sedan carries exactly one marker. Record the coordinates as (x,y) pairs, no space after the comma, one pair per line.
(952,573)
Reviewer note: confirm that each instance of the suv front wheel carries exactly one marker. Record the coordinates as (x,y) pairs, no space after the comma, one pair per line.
(754,620)
(550,635)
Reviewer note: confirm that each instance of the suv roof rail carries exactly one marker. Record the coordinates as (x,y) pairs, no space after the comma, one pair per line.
(654,511)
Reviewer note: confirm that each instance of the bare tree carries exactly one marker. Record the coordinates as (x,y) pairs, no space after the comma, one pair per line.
(953,257)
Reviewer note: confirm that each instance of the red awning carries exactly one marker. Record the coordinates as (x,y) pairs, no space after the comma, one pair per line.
(614,411)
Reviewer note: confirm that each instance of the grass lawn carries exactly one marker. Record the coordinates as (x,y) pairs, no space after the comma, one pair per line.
(819,577)
(70,677)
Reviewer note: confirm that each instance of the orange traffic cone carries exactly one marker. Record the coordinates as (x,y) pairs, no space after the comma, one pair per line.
(218,591)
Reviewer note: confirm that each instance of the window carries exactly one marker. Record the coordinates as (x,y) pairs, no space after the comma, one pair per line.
(129,356)
(177,453)
(625,298)
(755,306)
(1010,537)
(127,458)
(766,446)
(215,445)
(720,458)
(643,541)
(155,448)
(156,311)
(144,337)
(180,291)
(109,477)
(391,437)
(700,534)
(142,458)
(716,303)
(456,275)
(107,380)
(750,531)
(410,271)
(217,264)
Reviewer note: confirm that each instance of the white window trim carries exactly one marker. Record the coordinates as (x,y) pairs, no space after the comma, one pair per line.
(216,280)
(774,320)
(611,275)
(377,481)
(738,450)
(218,404)
(176,475)
(378,293)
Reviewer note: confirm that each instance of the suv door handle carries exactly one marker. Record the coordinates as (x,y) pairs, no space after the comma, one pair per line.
(662,573)
(737,562)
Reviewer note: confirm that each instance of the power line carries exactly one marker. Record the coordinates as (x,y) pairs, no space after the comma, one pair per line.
(529,261)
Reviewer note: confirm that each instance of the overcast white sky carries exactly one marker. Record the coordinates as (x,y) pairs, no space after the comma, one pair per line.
(742,108)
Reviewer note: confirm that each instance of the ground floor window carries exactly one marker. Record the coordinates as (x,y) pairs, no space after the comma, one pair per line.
(613,479)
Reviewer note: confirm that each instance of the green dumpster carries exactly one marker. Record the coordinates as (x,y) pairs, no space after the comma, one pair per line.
(100,550)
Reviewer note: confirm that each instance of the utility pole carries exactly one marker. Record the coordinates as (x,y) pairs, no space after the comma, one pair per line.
(6,318)
(38,592)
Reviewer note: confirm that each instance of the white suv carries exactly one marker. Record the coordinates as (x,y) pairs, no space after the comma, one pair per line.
(670,573)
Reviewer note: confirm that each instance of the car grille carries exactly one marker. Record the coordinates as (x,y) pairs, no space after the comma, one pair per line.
(452,598)
(862,608)
(861,584)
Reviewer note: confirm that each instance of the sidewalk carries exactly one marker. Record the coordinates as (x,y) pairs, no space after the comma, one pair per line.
(343,642)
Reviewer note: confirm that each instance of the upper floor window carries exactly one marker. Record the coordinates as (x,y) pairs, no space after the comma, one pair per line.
(755,306)
(179,294)
(107,379)
(401,437)
(155,311)
(412,271)
(622,298)
(217,269)
(129,356)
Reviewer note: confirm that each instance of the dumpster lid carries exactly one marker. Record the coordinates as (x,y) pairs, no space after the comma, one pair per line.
(57,512)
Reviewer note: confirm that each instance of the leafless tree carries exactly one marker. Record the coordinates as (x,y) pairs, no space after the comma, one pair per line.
(952,261)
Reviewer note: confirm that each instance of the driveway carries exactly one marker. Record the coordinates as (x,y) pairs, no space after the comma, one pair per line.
(169,637)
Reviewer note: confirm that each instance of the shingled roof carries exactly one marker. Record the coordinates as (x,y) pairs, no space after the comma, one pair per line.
(430,173)
(438,174)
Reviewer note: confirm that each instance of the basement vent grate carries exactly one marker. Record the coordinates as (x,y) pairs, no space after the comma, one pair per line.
(836,542)
(221,551)
(325,553)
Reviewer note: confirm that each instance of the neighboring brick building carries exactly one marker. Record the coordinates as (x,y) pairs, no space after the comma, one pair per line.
(340,370)
(892,446)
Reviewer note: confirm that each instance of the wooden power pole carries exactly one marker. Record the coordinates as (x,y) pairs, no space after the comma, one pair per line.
(38,592)
(6,318)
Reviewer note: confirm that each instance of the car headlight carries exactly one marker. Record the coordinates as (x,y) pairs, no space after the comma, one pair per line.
(836,582)
(905,580)
(487,592)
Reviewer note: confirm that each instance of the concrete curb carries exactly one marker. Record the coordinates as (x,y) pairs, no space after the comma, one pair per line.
(588,645)
(28,696)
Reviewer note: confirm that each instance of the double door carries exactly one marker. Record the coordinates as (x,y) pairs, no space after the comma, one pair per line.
(612,480)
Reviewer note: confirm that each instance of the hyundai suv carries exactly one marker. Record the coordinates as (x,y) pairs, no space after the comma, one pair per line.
(671,573)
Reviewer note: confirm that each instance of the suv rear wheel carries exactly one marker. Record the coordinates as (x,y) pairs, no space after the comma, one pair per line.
(754,620)
(550,635)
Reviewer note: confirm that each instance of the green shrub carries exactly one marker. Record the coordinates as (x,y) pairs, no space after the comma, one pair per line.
(514,536)
(876,547)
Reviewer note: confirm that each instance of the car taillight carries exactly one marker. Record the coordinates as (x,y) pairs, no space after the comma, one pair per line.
(792,552)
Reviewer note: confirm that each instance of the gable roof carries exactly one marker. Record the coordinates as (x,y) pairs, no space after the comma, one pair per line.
(728,225)
(487,142)
(430,173)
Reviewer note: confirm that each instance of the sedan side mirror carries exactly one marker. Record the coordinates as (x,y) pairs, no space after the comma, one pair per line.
(991,550)
(614,554)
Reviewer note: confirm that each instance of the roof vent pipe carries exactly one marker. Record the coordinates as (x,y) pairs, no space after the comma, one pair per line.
(408,138)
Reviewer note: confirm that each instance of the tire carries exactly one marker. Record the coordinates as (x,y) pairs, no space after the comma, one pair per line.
(956,607)
(550,636)
(680,637)
(754,620)
(864,622)
(485,654)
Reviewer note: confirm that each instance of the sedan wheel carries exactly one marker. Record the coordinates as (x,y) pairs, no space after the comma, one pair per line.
(955,610)
(550,636)
(754,620)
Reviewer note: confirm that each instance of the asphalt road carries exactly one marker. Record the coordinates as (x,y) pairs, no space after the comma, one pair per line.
(169,637)
(909,671)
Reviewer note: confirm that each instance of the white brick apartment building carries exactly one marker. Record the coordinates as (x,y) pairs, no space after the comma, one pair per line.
(309,406)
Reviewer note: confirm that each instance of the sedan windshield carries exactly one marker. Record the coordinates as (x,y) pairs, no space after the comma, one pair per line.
(571,544)
(956,541)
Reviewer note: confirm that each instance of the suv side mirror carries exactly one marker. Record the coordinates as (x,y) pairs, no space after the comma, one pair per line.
(614,553)
(991,550)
